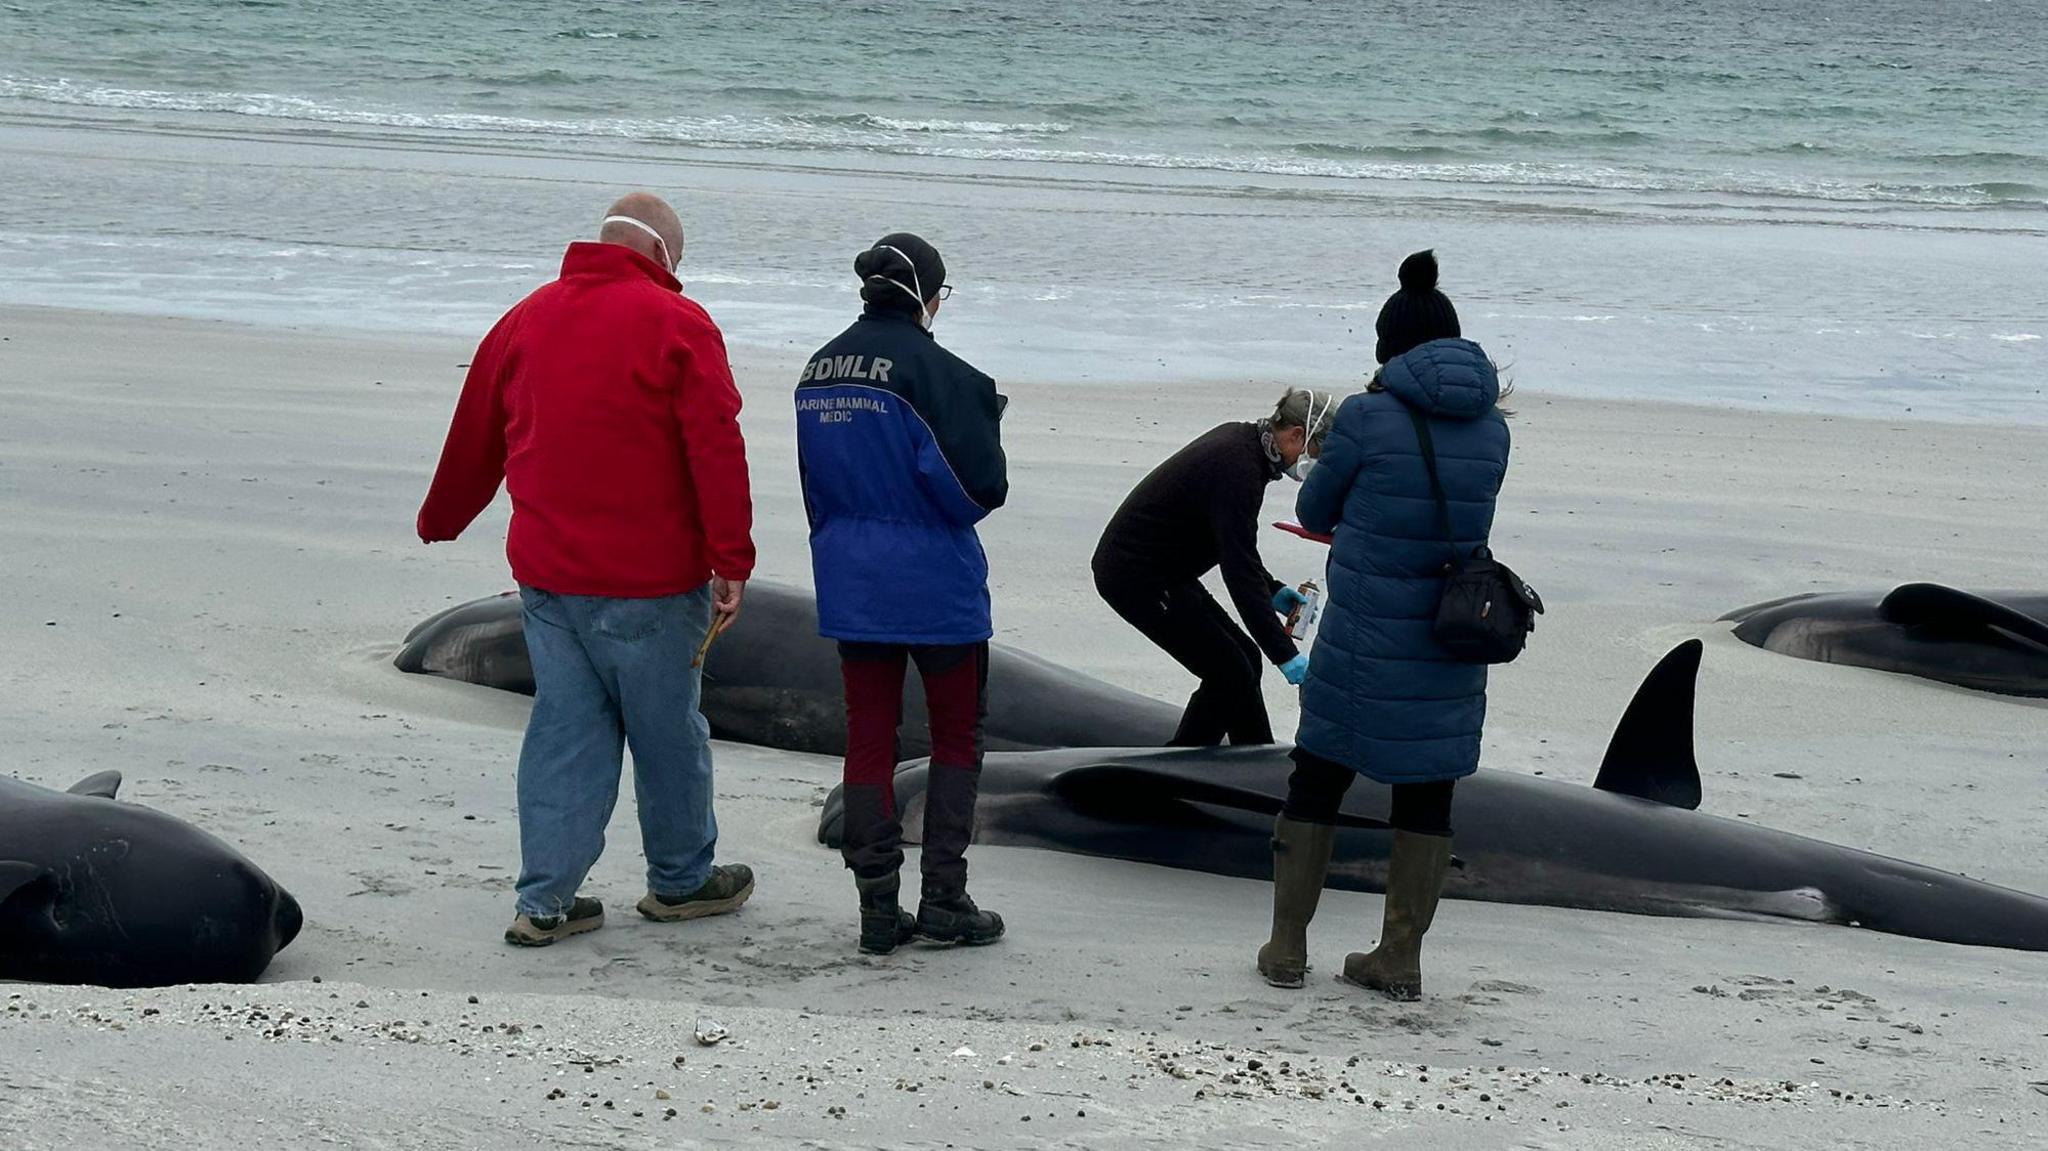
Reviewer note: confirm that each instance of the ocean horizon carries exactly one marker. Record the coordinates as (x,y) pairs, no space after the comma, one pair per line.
(1815,206)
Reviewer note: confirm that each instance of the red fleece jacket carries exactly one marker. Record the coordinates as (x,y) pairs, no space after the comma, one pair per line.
(605,404)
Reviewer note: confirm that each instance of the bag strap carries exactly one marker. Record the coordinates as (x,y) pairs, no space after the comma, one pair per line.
(1436,486)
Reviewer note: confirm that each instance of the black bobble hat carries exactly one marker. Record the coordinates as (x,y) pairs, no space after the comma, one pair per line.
(1416,314)
(899,265)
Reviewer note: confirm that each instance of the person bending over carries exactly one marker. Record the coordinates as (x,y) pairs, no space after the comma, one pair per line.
(1197,512)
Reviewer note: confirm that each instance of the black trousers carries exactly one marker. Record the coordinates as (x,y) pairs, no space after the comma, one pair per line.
(1317,786)
(1189,625)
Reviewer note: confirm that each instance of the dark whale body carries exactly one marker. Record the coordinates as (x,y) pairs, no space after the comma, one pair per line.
(1995,642)
(1631,843)
(773,681)
(101,892)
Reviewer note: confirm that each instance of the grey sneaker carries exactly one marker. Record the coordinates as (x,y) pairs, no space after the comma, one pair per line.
(541,930)
(729,886)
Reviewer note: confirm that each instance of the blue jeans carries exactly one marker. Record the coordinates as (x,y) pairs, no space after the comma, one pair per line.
(607,673)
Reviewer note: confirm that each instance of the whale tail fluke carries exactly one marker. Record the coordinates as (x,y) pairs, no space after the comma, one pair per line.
(1651,754)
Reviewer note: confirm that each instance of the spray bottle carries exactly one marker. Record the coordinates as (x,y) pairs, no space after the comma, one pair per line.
(1304,615)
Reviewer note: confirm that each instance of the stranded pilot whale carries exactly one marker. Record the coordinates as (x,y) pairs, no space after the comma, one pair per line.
(1630,843)
(97,891)
(771,680)
(1996,642)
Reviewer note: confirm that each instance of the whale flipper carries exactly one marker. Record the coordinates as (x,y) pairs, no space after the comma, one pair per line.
(1191,789)
(16,875)
(103,784)
(1121,792)
(1651,754)
(1945,610)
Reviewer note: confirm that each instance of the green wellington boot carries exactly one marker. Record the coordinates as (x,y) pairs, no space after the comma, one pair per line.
(1415,880)
(1301,859)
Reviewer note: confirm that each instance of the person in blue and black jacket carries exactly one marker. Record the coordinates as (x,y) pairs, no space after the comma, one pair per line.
(1383,698)
(899,447)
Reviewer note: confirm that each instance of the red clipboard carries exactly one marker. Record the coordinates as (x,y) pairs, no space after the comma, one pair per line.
(1292,528)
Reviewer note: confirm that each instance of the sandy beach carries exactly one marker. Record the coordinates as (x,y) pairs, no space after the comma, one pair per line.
(206,539)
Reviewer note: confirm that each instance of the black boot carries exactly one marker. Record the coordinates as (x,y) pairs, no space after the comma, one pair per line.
(955,919)
(872,845)
(946,914)
(884,925)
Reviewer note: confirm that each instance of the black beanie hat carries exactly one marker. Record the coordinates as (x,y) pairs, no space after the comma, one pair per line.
(913,264)
(1416,314)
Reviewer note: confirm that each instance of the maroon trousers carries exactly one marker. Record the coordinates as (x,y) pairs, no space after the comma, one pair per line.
(956,699)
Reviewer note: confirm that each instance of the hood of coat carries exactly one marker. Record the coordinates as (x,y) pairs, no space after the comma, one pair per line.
(1449,378)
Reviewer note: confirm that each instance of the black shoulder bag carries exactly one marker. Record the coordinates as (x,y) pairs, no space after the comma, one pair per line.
(1487,611)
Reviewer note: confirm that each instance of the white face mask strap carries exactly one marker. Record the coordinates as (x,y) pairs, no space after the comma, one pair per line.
(1299,469)
(649,229)
(916,293)
(1315,420)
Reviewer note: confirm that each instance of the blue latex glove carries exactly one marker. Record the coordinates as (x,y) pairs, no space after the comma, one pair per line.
(1286,600)
(1295,669)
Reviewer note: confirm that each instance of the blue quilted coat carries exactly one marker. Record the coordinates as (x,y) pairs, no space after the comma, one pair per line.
(1382,697)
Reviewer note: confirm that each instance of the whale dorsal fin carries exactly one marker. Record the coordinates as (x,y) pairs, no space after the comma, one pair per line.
(103,784)
(1944,609)
(1651,755)
(15,875)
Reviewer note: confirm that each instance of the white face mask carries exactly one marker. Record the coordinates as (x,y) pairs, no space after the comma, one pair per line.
(1306,463)
(924,312)
(644,226)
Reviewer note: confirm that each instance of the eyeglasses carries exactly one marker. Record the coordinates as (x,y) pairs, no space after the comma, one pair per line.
(945,291)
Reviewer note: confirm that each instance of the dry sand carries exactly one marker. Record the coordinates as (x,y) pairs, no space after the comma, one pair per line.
(205,534)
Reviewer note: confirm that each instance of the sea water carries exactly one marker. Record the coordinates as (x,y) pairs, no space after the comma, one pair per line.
(1801,204)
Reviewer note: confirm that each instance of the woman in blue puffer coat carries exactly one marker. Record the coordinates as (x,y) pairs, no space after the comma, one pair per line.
(1382,698)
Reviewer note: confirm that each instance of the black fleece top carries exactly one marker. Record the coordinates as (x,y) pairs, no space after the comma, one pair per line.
(1197,511)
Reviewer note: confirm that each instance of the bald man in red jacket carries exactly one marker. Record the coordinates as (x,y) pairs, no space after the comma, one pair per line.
(605,405)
